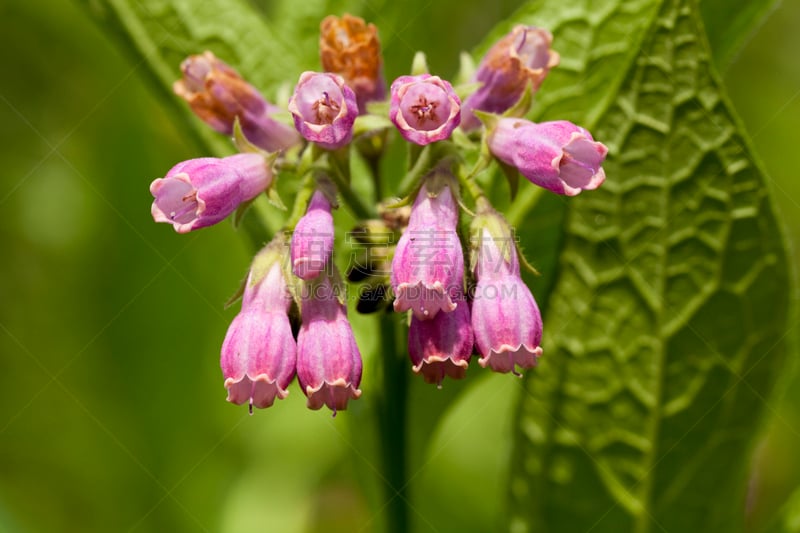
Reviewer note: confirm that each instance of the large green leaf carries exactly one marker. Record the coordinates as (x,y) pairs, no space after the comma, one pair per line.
(667,323)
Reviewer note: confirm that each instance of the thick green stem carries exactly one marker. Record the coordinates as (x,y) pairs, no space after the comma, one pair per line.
(393,424)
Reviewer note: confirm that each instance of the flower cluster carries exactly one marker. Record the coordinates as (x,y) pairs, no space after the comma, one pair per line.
(455,271)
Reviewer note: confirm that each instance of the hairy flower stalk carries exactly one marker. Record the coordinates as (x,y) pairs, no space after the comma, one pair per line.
(328,359)
(201,192)
(505,318)
(428,265)
(424,108)
(349,47)
(558,156)
(520,58)
(324,109)
(259,353)
(218,95)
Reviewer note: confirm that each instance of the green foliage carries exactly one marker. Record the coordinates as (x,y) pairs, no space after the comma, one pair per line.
(788,521)
(665,329)
(669,286)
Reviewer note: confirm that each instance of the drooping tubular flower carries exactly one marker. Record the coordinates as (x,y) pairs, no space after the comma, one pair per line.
(428,264)
(201,192)
(312,240)
(328,359)
(558,156)
(259,353)
(424,108)
(217,94)
(521,57)
(505,317)
(324,109)
(441,347)
(350,47)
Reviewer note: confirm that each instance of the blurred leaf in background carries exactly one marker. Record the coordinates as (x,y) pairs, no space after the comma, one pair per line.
(113,415)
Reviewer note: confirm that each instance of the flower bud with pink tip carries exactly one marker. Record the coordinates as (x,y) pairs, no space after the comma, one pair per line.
(441,347)
(521,57)
(428,263)
(558,156)
(312,240)
(201,192)
(259,352)
(218,95)
(324,109)
(505,318)
(424,108)
(328,359)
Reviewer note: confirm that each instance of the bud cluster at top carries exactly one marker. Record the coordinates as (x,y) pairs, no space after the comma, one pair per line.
(454,270)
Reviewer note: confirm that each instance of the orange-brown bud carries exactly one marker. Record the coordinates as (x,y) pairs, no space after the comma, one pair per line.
(350,47)
(217,94)
(522,56)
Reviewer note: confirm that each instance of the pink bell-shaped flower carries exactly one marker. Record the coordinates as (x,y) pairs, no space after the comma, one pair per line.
(328,359)
(424,108)
(558,156)
(441,347)
(201,192)
(324,109)
(428,264)
(505,318)
(259,352)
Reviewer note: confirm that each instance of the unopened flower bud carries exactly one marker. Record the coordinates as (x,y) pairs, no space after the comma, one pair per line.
(312,240)
(324,109)
(259,352)
(521,57)
(217,94)
(558,156)
(328,359)
(424,108)
(201,192)
(350,47)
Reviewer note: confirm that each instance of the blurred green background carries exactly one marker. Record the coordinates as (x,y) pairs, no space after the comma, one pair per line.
(112,411)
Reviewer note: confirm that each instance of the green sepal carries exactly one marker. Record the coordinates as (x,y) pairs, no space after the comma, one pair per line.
(523,105)
(283,94)
(407,199)
(462,140)
(238,215)
(512,176)
(489,120)
(466,69)
(380,108)
(370,123)
(523,261)
(273,251)
(240,141)
(420,64)
(236,296)
(464,90)
(275,200)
